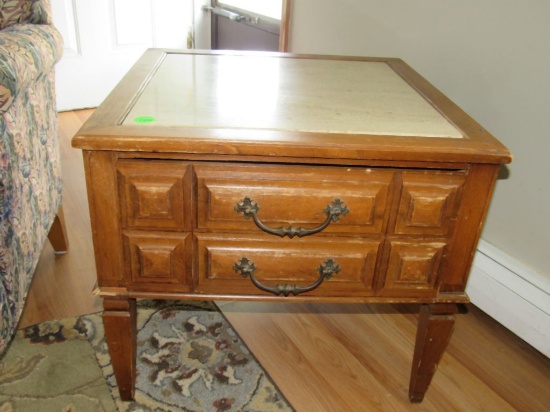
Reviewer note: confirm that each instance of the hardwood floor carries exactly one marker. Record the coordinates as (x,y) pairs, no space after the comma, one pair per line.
(324,357)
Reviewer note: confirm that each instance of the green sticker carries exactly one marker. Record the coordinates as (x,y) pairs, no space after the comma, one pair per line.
(144,119)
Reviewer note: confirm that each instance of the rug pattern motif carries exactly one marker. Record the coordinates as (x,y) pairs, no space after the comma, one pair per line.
(189,359)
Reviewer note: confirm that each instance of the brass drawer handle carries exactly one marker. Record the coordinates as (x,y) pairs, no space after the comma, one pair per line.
(247,268)
(249,209)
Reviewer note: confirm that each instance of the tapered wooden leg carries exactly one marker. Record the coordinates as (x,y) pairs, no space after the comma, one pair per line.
(435,327)
(58,233)
(119,320)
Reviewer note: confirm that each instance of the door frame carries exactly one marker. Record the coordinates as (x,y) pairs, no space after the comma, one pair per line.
(284,28)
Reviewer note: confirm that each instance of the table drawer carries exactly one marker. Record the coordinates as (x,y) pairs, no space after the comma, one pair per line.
(429,202)
(222,261)
(290,197)
(155,195)
(413,268)
(159,258)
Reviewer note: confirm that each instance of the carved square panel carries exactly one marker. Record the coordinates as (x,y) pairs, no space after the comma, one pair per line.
(158,258)
(153,195)
(429,203)
(413,266)
(154,199)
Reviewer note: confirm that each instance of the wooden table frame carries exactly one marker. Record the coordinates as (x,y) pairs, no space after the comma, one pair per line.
(473,161)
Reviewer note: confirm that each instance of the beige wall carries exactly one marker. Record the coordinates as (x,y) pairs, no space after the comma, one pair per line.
(491,57)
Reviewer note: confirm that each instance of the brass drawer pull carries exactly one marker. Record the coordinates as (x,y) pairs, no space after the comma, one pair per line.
(249,209)
(326,270)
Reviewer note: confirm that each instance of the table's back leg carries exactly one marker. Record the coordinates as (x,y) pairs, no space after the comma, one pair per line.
(119,320)
(435,326)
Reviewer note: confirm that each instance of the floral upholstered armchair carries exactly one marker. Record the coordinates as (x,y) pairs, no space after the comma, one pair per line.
(30,178)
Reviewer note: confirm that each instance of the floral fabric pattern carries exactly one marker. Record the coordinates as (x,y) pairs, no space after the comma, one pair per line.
(27,52)
(30,173)
(24,11)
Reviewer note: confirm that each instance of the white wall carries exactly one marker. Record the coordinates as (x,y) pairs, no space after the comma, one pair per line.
(491,57)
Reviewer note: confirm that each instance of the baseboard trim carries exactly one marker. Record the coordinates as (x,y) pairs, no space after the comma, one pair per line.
(512,293)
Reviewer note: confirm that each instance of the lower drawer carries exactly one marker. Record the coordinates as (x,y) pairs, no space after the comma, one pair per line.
(240,264)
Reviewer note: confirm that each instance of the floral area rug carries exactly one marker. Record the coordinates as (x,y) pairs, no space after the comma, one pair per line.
(189,358)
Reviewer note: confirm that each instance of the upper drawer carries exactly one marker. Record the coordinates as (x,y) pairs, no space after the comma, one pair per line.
(291,197)
(155,195)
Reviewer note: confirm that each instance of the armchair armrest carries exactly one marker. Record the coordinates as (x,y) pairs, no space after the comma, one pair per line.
(27,51)
(24,11)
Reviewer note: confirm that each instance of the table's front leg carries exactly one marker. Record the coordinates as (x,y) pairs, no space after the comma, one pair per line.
(435,327)
(119,320)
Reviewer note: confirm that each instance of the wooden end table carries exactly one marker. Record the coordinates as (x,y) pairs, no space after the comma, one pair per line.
(254,176)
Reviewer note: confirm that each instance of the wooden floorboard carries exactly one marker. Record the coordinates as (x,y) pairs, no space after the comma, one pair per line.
(324,357)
